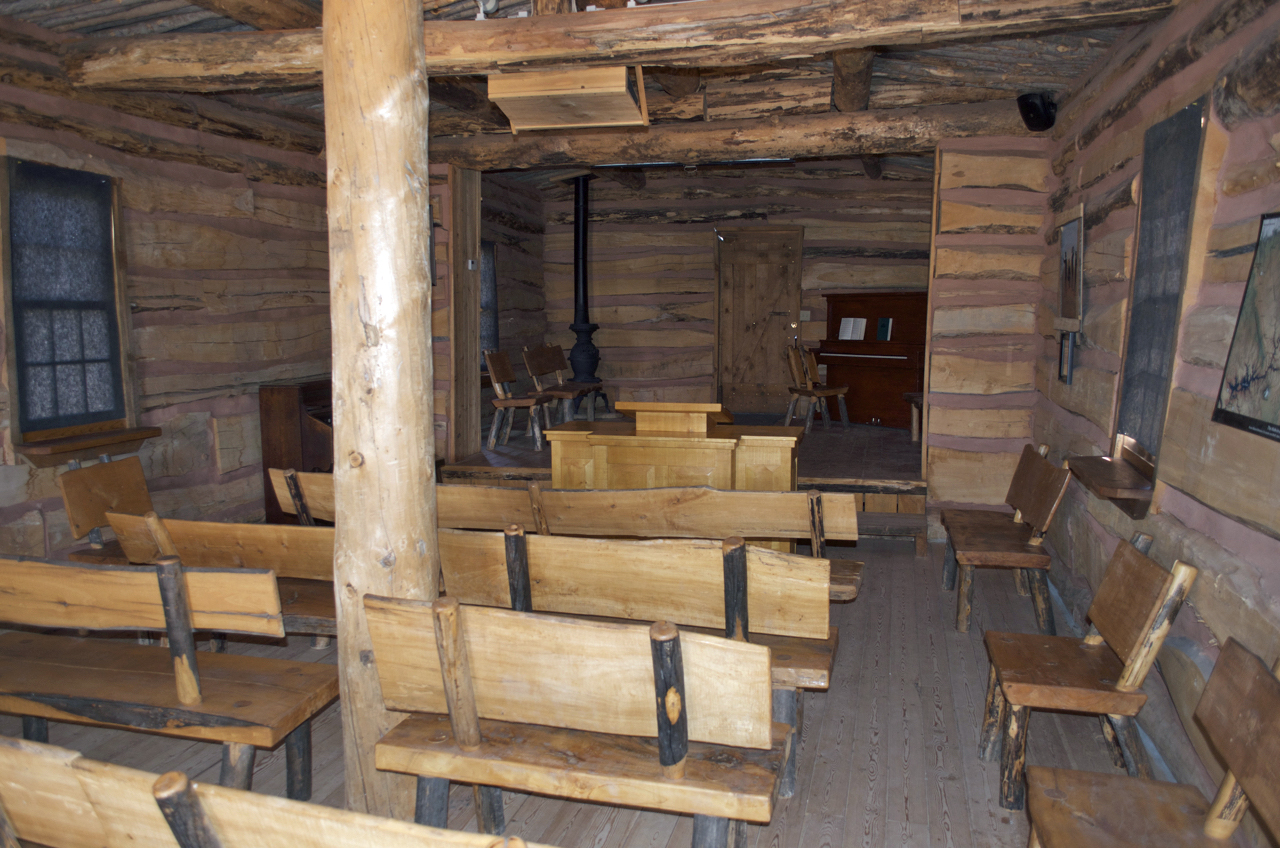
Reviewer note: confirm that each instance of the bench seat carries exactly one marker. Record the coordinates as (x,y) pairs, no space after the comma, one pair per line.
(722,781)
(846,579)
(114,682)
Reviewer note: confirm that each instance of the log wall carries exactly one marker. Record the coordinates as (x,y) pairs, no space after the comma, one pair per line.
(652,258)
(227,280)
(1215,502)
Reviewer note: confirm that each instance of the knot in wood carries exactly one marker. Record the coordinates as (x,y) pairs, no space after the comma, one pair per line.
(673,705)
(357,459)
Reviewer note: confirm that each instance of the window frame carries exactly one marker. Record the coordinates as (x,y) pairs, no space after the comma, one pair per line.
(69,442)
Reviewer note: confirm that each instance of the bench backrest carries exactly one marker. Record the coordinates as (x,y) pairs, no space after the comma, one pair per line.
(289,551)
(1240,713)
(571,673)
(677,580)
(38,593)
(58,798)
(1037,489)
(90,493)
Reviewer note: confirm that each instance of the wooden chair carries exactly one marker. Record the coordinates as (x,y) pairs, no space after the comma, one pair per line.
(547,367)
(567,708)
(1101,674)
(979,538)
(1240,714)
(243,702)
(55,797)
(502,375)
(804,378)
(90,493)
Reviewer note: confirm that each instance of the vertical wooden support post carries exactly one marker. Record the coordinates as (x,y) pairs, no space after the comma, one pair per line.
(432,804)
(452,650)
(668,686)
(35,729)
(297,762)
(1038,581)
(299,500)
(788,707)
(964,598)
(184,812)
(177,619)
(817,532)
(517,548)
(539,513)
(1136,761)
(949,565)
(375,96)
(1113,741)
(736,623)
(237,765)
(993,717)
(160,535)
(710,832)
(1013,758)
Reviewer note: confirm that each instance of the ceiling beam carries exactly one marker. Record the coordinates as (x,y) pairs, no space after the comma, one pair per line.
(798,137)
(265,14)
(705,34)
(851,79)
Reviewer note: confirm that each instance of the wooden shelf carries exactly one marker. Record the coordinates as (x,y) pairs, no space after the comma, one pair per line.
(1114,480)
(50,452)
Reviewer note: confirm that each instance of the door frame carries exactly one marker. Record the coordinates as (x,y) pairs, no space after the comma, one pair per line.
(717,388)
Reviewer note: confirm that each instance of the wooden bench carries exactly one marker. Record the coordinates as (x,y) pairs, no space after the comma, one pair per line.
(90,493)
(243,702)
(1240,714)
(697,513)
(301,557)
(547,367)
(609,713)
(55,797)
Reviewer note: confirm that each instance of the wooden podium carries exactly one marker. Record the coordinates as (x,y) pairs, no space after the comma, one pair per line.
(673,444)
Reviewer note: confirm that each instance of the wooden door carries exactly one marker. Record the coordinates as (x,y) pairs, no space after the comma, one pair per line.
(758,283)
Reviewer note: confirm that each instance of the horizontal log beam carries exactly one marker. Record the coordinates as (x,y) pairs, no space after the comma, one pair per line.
(705,34)
(799,137)
(266,14)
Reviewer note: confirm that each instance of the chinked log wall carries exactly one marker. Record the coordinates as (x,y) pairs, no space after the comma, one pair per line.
(227,275)
(653,258)
(992,195)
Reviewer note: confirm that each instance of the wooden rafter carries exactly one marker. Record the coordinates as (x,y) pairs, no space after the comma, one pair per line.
(711,33)
(266,14)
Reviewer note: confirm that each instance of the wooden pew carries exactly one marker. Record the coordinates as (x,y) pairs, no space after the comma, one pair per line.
(243,702)
(301,557)
(55,797)
(614,713)
(687,513)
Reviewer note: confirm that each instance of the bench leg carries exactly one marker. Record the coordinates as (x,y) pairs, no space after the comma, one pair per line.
(506,427)
(297,762)
(321,642)
(808,413)
(964,598)
(737,834)
(35,729)
(922,543)
(537,428)
(1112,742)
(1013,759)
(826,413)
(992,718)
(1020,584)
(218,643)
(490,817)
(1040,601)
(1033,838)
(949,566)
(791,411)
(710,832)
(844,412)
(237,765)
(493,429)
(788,708)
(1136,762)
(432,804)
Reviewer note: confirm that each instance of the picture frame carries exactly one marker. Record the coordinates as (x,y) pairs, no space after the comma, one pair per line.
(1070,293)
(1249,396)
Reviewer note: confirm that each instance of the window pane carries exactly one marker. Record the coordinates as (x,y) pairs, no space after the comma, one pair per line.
(37,392)
(95,325)
(66,336)
(100,387)
(37,336)
(70,388)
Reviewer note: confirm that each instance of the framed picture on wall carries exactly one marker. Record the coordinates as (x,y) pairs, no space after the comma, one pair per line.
(1250,394)
(1070,293)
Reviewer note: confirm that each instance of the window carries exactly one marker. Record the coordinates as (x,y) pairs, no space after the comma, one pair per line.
(488,297)
(65,343)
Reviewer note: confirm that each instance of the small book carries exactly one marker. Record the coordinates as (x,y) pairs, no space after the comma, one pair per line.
(852,329)
(884,329)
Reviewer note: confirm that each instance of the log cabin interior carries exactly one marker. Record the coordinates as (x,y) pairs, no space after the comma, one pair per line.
(353,247)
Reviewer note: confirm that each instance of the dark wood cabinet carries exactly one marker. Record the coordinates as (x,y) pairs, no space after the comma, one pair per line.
(877,370)
(297,433)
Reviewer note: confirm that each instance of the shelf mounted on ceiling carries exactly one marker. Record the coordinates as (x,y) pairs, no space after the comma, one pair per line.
(590,97)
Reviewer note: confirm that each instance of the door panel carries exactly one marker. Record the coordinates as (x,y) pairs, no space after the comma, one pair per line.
(758,278)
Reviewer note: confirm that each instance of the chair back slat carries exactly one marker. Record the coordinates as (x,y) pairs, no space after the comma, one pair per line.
(1037,489)
(810,368)
(583,675)
(288,550)
(795,364)
(543,361)
(37,593)
(501,374)
(91,492)
(1128,599)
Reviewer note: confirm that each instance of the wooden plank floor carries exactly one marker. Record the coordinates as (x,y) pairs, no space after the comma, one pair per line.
(887,756)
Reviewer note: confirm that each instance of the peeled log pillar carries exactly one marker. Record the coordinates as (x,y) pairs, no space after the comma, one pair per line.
(375,98)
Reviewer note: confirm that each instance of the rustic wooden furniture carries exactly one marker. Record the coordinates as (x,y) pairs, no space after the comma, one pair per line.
(877,371)
(55,797)
(1240,713)
(640,513)
(518,719)
(1126,478)
(296,425)
(916,399)
(805,385)
(301,557)
(502,375)
(90,493)
(1101,674)
(243,702)
(547,367)
(673,444)
(979,538)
